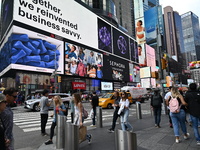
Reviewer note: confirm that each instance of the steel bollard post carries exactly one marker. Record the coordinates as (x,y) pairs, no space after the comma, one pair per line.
(99,117)
(60,131)
(125,140)
(138,110)
(71,137)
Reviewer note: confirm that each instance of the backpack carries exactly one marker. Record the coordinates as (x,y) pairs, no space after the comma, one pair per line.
(156,101)
(196,97)
(174,105)
(85,113)
(66,112)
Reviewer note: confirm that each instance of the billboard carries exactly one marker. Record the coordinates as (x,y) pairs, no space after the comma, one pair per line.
(150,57)
(28,50)
(83,62)
(142,55)
(151,21)
(107,86)
(140,31)
(59,18)
(145,72)
(138,9)
(104,36)
(121,44)
(134,51)
(116,68)
(134,72)
(78,85)
(194,64)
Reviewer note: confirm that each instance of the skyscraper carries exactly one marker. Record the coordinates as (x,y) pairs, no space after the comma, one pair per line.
(191,35)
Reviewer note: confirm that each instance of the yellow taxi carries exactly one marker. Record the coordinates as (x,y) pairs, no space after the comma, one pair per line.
(107,100)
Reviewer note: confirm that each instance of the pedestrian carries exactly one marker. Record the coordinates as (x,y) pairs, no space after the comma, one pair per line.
(78,113)
(178,116)
(192,98)
(44,108)
(7,116)
(59,109)
(95,104)
(124,112)
(168,94)
(72,108)
(156,104)
(116,109)
(3,140)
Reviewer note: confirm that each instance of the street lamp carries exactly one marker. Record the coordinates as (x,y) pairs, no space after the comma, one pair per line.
(55,70)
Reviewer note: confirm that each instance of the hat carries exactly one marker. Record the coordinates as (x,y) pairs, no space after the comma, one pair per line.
(2,98)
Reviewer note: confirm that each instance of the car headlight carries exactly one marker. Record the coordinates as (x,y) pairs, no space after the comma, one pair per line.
(103,101)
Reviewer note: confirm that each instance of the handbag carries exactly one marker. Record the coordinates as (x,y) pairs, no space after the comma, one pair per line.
(82,134)
(85,113)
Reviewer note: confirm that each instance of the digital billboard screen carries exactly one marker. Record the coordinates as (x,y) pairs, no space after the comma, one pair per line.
(107,86)
(104,36)
(142,55)
(120,44)
(83,62)
(134,51)
(134,71)
(151,58)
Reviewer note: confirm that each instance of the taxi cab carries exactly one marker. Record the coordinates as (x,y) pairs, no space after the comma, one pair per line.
(107,100)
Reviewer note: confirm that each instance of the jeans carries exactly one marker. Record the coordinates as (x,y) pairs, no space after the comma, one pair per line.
(115,116)
(157,115)
(94,115)
(44,118)
(195,121)
(124,121)
(178,118)
(53,125)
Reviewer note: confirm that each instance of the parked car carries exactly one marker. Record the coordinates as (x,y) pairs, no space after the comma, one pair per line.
(33,104)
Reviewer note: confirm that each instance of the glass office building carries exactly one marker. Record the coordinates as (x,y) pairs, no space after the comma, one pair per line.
(191,35)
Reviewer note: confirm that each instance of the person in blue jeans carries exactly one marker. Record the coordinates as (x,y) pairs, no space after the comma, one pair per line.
(178,117)
(193,101)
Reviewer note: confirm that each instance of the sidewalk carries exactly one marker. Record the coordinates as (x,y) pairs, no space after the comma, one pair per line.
(148,137)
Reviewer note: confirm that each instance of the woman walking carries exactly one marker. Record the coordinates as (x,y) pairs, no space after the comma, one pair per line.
(124,112)
(59,109)
(78,113)
(178,116)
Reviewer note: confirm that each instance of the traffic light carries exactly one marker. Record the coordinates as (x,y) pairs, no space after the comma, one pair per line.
(164,63)
(59,79)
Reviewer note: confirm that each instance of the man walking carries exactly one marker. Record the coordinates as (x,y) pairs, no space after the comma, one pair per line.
(95,104)
(44,108)
(115,114)
(192,98)
(7,116)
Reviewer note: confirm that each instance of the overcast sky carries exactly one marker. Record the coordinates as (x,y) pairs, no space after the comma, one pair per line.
(183,6)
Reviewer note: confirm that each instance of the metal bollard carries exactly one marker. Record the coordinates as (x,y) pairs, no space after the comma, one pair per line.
(138,110)
(60,131)
(71,137)
(99,117)
(125,140)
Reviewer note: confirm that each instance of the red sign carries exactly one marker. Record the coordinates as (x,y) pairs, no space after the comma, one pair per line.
(78,85)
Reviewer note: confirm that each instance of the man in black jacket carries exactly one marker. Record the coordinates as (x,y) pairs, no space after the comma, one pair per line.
(192,97)
(95,103)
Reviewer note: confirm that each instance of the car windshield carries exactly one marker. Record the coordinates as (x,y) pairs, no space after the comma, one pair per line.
(107,95)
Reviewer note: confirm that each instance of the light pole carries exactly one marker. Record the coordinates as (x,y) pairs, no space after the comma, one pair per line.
(55,71)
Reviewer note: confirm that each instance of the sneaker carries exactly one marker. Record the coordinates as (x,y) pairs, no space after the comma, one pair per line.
(92,125)
(111,130)
(48,142)
(156,125)
(186,137)
(44,134)
(178,140)
(198,142)
(89,139)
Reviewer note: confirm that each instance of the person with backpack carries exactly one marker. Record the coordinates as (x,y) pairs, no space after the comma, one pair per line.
(59,109)
(192,97)
(176,105)
(156,104)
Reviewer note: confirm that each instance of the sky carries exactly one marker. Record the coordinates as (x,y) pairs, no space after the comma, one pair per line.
(183,6)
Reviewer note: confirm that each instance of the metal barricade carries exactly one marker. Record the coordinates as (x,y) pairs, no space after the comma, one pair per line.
(138,110)
(71,137)
(99,117)
(125,140)
(60,131)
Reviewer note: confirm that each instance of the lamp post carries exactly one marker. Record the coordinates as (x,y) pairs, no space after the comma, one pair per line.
(55,70)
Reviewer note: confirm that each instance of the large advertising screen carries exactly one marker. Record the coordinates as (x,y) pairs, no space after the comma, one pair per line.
(121,44)
(151,58)
(104,36)
(65,18)
(134,72)
(140,31)
(116,68)
(134,51)
(27,50)
(142,55)
(145,72)
(107,86)
(138,9)
(83,62)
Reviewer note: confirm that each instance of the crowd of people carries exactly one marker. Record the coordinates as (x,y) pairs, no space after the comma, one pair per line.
(179,104)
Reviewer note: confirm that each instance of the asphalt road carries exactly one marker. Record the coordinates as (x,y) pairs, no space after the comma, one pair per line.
(27,125)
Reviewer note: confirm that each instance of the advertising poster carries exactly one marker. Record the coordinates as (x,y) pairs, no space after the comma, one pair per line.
(145,72)
(134,51)
(107,86)
(151,58)
(65,18)
(104,36)
(134,71)
(160,20)
(138,9)
(83,62)
(6,15)
(142,55)
(116,68)
(120,44)
(151,21)
(33,51)
(146,83)
(140,31)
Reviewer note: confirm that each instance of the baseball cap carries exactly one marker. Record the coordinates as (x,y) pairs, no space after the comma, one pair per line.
(2,98)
